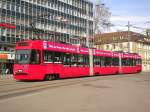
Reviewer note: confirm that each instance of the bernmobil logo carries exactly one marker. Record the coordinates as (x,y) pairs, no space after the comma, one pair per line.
(45,44)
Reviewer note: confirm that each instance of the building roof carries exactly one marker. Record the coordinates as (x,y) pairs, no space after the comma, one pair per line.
(117,37)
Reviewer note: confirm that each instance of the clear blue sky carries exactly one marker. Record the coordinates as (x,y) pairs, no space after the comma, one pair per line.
(135,11)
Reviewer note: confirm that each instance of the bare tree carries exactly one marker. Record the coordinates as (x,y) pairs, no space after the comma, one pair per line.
(148,32)
(101,18)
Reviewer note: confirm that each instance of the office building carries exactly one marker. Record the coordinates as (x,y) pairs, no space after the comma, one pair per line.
(68,21)
(125,41)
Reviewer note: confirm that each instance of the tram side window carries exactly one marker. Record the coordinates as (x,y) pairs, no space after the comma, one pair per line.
(67,59)
(108,61)
(97,60)
(74,59)
(134,62)
(124,62)
(85,59)
(80,59)
(102,62)
(130,62)
(115,62)
(35,57)
(57,57)
(48,56)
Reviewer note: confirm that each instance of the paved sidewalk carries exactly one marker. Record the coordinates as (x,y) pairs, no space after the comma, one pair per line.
(6,76)
(124,93)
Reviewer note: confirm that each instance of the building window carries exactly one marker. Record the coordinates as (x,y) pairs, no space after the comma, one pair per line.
(3,38)
(120,45)
(114,46)
(107,46)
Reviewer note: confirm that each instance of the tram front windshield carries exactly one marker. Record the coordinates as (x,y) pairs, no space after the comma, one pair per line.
(27,57)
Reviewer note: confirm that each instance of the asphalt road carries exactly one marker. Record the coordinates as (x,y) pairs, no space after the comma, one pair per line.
(121,93)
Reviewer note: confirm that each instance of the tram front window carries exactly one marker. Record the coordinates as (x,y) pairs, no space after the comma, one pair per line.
(27,57)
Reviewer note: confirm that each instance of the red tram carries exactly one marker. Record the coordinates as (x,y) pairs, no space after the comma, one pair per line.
(43,60)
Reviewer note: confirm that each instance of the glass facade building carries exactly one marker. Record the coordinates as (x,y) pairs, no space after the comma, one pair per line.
(68,21)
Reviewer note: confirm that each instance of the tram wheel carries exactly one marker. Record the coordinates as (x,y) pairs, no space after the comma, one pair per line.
(49,77)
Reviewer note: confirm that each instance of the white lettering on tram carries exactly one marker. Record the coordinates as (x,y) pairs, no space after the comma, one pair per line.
(61,47)
(45,45)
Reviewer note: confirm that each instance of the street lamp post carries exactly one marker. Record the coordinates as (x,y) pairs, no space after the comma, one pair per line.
(120,63)
(88,44)
(129,36)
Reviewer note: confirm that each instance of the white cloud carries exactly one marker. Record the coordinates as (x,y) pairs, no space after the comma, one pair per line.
(134,19)
(120,23)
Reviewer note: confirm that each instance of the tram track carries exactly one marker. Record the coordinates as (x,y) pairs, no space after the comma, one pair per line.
(39,86)
(9,82)
(13,82)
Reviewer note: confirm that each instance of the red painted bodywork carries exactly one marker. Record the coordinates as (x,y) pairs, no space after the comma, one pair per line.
(39,71)
(7,25)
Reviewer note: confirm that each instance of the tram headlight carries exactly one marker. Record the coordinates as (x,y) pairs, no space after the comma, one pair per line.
(19,71)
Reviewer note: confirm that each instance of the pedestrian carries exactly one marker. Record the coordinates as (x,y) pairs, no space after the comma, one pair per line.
(7,71)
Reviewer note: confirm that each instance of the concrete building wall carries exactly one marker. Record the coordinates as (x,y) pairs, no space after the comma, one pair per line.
(132,46)
(55,20)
